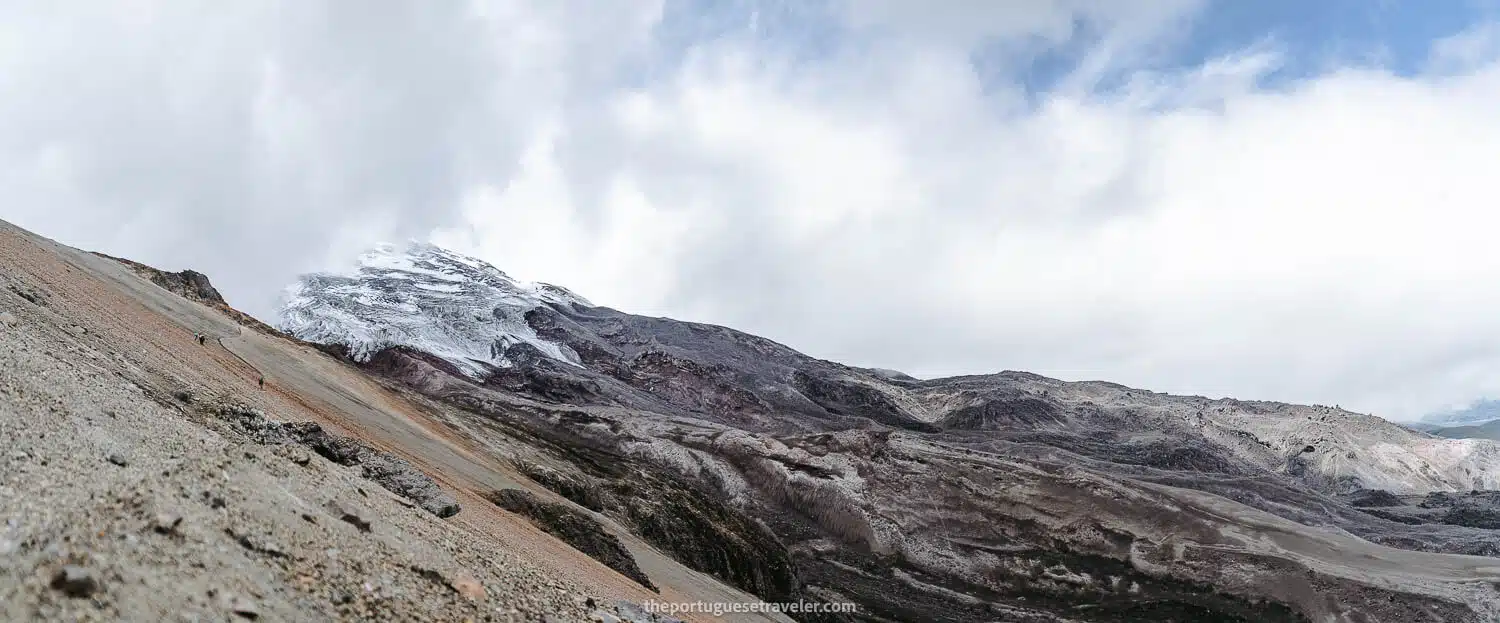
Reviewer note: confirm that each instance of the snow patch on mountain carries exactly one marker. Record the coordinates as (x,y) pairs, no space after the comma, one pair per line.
(424,297)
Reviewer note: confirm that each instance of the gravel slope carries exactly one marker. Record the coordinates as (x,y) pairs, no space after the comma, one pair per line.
(121,500)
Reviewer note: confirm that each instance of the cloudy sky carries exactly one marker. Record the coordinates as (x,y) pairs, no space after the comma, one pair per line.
(1282,199)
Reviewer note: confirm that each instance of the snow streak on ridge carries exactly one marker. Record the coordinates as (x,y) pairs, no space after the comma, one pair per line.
(424,297)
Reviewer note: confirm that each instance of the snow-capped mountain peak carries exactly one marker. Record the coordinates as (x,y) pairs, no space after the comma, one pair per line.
(425,297)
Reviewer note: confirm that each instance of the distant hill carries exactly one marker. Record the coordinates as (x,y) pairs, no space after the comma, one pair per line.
(1478,413)
(1487,430)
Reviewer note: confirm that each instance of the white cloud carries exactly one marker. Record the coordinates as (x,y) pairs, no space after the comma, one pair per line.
(1467,50)
(1321,240)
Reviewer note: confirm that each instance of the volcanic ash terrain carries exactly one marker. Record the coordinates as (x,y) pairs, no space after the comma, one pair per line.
(439,440)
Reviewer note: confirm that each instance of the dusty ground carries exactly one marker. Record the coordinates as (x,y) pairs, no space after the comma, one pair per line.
(119,504)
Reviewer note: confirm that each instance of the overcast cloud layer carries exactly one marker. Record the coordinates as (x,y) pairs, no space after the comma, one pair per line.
(882,183)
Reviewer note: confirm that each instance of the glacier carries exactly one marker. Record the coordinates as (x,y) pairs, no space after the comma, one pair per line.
(422,296)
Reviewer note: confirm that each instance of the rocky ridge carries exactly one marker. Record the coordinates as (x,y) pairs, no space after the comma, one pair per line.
(1009,495)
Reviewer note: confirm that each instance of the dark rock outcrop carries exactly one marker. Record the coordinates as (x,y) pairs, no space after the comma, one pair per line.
(691,522)
(708,535)
(1373,498)
(576,488)
(195,286)
(391,472)
(189,284)
(1473,516)
(574,528)
(1004,413)
(847,397)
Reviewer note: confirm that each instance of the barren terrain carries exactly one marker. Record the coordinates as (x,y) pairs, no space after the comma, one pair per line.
(151,476)
(102,388)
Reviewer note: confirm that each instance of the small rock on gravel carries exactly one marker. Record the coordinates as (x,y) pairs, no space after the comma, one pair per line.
(118,459)
(8,319)
(242,607)
(166,523)
(468,587)
(348,514)
(75,581)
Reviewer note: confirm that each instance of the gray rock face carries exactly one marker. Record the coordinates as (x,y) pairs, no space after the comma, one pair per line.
(391,472)
(999,497)
(401,478)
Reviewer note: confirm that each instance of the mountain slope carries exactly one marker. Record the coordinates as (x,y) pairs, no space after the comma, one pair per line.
(472,316)
(149,477)
(1008,496)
